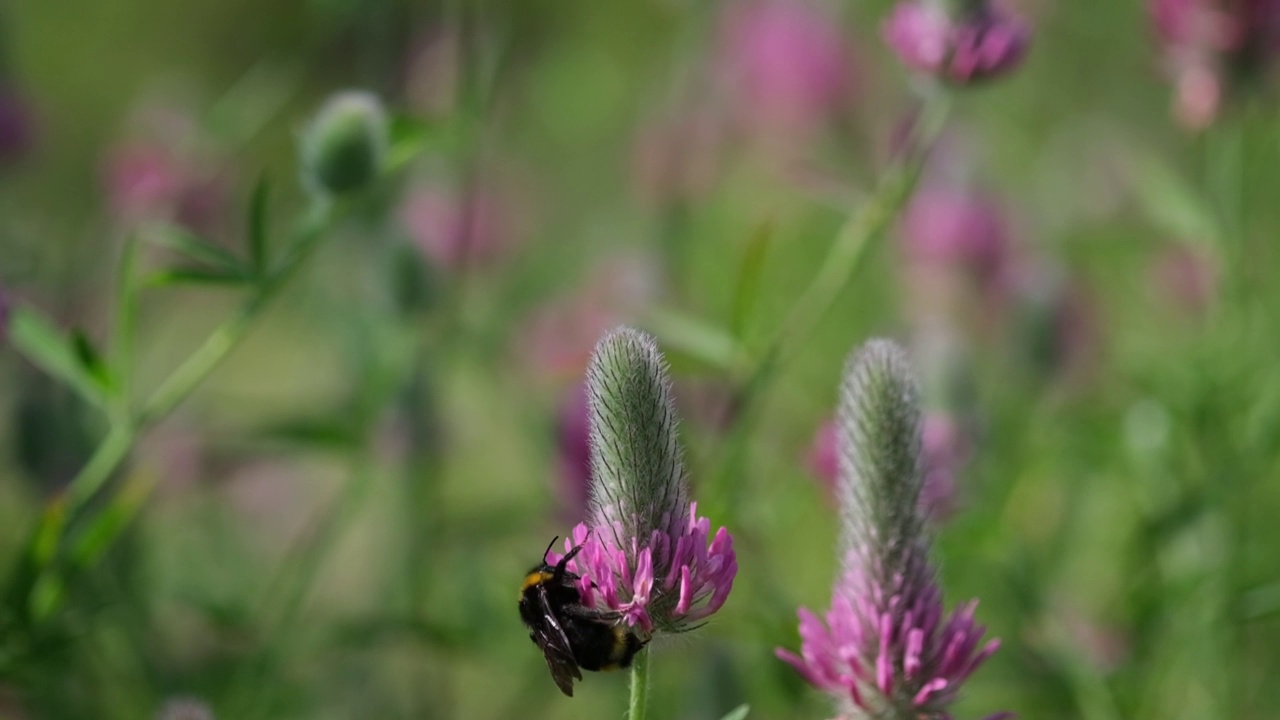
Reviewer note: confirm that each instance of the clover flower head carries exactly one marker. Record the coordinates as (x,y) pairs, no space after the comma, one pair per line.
(977,42)
(345,146)
(787,59)
(1210,47)
(646,553)
(886,649)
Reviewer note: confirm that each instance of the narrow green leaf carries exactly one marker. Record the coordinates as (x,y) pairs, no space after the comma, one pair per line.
(197,248)
(90,359)
(337,433)
(258,205)
(1173,205)
(410,137)
(101,531)
(46,596)
(196,276)
(690,340)
(749,273)
(1261,603)
(42,343)
(738,713)
(44,541)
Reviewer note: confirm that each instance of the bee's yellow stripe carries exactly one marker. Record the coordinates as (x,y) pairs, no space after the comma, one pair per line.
(619,647)
(533,578)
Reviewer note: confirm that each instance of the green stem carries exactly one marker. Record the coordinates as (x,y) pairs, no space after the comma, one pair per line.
(858,233)
(843,260)
(227,336)
(106,458)
(115,448)
(639,687)
(283,607)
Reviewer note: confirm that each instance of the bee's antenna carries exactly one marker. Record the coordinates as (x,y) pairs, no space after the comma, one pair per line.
(549,546)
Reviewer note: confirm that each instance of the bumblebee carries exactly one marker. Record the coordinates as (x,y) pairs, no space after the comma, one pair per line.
(572,636)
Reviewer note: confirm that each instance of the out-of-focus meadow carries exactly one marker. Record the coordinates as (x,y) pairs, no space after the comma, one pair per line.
(331,518)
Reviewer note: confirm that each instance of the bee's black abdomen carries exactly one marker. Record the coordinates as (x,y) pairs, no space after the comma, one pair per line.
(594,643)
(571,635)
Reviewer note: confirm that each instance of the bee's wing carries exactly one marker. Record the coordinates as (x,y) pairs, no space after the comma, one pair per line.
(550,637)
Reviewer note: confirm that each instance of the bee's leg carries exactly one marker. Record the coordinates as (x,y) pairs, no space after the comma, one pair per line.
(561,571)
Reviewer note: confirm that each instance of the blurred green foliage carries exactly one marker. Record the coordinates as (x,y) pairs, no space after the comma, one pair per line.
(335,523)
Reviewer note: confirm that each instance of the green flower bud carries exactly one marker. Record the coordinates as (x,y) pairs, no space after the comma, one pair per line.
(344,148)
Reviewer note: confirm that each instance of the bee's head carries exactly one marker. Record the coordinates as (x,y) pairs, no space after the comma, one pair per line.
(560,568)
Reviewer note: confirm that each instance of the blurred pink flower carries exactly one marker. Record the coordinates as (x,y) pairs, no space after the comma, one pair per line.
(11,706)
(1105,646)
(16,127)
(676,154)
(1247,30)
(959,257)
(573,453)
(1185,279)
(824,456)
(1057,327)
(432,72)
(176,452)
(164,170)
(1209,45)
(142,181)
(4,314)
(786,63)
(945,447)
(185,708)
(457,228)
(977,42)
(558,336)
(951,226)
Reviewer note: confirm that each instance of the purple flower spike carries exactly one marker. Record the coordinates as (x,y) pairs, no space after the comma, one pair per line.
(647,556)
(946,450)
(886,649)
(974,44)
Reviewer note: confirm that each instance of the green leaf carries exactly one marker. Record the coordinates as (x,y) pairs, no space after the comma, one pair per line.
(738,713)
(101,532)
(44,541)
(196,276)
(749,272)
(197,248)
(410,137)
(90,359)
(1261,603)
(688,339)
(46,596)
(338,432)
(258,259)
(1173,205)
(73,362)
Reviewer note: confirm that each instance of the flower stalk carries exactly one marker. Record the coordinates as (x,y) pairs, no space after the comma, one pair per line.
(639,705)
